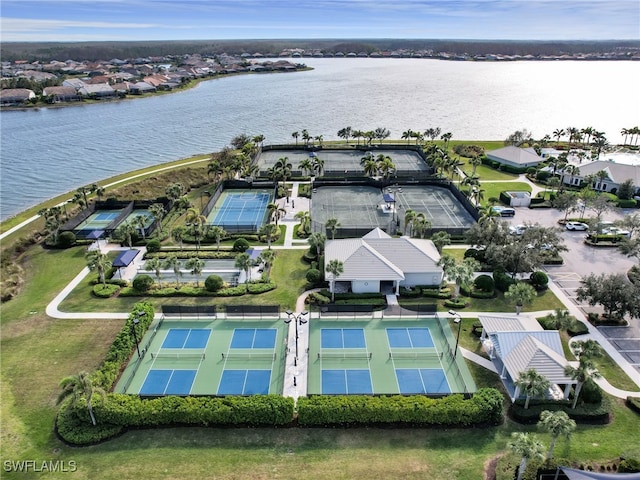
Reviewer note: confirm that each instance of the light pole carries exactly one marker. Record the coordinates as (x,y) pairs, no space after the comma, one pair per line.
(134,325)
(298,319)
(457,320)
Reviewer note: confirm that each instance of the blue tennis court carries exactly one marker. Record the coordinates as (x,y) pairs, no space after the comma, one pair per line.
(422,380)
(342,338)
(409,338)
(187,338)
(346,382)
(254,338)
(246,208)
(244,382)
(105,216)
(168,382)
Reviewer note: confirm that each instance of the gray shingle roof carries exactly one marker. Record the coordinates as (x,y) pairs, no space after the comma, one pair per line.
(520,156)
(618,172)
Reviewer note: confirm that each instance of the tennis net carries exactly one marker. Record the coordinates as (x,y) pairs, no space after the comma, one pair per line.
(179,355)
(340,354)
(249,356)
(414,355)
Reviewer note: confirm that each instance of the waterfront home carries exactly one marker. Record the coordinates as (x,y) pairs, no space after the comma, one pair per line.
(515,157)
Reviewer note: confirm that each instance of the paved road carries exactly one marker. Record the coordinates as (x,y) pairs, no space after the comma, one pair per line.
(582,260)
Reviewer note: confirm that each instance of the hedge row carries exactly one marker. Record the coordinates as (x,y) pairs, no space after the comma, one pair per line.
(485,407)
(592,413)
(120,412)
(634,404)
(192,291)
(187,254)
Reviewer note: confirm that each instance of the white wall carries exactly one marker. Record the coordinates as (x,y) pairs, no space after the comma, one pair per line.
(368,286)
(426,278)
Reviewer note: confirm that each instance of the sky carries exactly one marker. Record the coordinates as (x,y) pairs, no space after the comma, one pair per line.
(123,20)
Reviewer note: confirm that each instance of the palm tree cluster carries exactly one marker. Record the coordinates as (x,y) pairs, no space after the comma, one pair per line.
(312,165)
(633,134)
(380,166)
(416,223)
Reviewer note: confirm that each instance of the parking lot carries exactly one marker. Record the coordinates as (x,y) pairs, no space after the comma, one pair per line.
(581,260)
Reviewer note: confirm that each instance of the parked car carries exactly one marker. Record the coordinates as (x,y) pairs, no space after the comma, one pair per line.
(504,211)
(517,229)
(575,226)
(616,231)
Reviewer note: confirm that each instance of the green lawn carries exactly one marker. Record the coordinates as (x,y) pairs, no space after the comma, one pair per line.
(493,189)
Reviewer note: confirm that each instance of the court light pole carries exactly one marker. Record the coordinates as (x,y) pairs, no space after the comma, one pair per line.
(457,320)
(299,320)
(134,325)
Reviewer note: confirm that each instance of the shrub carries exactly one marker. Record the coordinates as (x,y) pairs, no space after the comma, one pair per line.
(317,298)
(260,287)
(153,246)
(539,280)
(503,281)
(634,404)
(314,276)
(66,239)
(485,283)
(142,283)
(105,291)
(542,175)
(455,303)
(240,245)
(213,283)
(630,203)
(629,465)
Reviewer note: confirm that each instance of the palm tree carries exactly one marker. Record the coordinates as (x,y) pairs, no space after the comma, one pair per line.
(195,266)
(556,423)
(345,133)
(370,167)
(587,132)
(521,293)
(174,191)
(296,135)
(217,233)
(306,166)
(532,384)
(244,263)
(558,133)
(316,241)
(96,260)
(332,225)
(305,221)
(475,162)
(275,212)
(587,349)
(215,168)
(100,191)
(420,225)
(335,267)
(440,239)
(126,232)
(267,257)
(140,221)
(78,387)
(306,137)
(177,234)
(53,221)
(407,135)
(446,138)
(600,142)
(488,214)
(409,216)
(317,165)
(154,265)
(174,263)
(268,231)
(385,165)
(562,319)
(585,370)
(625,132)
(158,212)
(528,447)
(459,273)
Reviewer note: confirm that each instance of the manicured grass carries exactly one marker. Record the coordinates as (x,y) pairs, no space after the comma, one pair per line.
(486,173)
(494,189)
(457,253)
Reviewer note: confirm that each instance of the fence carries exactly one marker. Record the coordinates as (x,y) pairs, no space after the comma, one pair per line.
(342,311)
(252,311)
(189,311)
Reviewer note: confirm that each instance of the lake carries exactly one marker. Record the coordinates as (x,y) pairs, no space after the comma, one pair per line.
(50,151)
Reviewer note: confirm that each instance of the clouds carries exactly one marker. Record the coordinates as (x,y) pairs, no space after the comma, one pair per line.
(65,20)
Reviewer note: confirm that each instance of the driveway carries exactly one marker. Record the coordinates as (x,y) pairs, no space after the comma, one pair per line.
(580,261)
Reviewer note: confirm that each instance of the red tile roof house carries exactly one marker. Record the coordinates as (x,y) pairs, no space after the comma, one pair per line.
(16,96)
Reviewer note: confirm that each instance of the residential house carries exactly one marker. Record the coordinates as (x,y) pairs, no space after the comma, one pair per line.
(16,96)
(518,343)
(141,87)
(61,94)
(378,262)
(616,174)
(515,157)
(98,91)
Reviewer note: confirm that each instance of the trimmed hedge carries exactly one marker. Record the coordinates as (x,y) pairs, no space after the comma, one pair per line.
(105,291)
(590,413)
(485,407)
(260,287)
(120,412)
(634,404)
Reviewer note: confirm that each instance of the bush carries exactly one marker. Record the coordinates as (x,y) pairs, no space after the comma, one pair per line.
(591,413)
(315,298)
(213,283)
(66,239)
(313,276)
(455,303)
(241,245)
(413,293)
(441,293)
(143,283)
(539,280)
(485,407)
(105,291)
(153,246)
(631,203)
(479,255)
(260,287)
(542,175)
(485,283)
(503,281)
